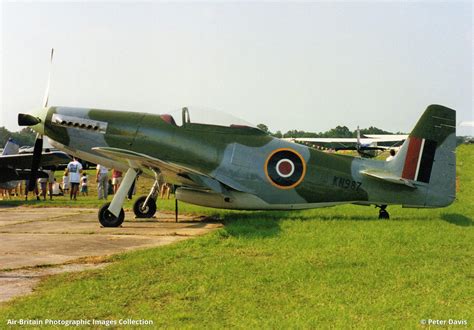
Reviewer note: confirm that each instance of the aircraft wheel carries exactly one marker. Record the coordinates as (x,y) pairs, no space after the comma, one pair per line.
(107,219)
(144,211)
(383,214)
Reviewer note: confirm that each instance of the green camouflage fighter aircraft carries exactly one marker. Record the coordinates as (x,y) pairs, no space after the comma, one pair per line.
(241,167)
(237,166)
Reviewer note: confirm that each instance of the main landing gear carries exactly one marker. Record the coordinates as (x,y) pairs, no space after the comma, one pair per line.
(111,214)
(383,214)
(145,206)
(107,219)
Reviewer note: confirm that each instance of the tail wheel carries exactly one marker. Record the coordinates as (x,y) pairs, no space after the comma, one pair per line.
(107,219)
(144,211)
(383,214)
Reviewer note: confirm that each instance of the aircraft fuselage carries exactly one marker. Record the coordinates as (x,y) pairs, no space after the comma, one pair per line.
(248,169)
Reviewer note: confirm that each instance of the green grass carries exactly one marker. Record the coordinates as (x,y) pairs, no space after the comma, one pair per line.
(337,267)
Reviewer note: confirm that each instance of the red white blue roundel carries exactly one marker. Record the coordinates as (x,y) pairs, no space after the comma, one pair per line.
(285,168)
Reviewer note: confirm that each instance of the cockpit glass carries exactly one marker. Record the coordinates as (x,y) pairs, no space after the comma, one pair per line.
(197,115)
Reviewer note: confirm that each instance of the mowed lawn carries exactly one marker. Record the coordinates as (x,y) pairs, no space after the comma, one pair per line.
(337,267)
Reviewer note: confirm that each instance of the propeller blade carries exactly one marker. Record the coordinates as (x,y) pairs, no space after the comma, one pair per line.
(37,151)
(25,119)
(46,93)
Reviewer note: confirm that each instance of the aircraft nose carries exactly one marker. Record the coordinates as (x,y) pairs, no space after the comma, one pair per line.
(36,120)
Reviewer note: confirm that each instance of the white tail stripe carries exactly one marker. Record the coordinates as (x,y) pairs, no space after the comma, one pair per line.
(420,154)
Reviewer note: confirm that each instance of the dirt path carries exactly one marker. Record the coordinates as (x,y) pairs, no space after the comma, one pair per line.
(32,237)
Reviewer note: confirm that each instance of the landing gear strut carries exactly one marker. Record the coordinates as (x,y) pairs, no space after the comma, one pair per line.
(111,214)
(383,214)
(145,206)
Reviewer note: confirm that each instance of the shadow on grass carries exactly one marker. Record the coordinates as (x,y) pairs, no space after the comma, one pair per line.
(457,219)
(299,215)
(12,203)
(254,224)
(265,224)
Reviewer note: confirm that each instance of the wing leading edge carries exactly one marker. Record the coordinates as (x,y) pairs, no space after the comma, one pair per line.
(167,171)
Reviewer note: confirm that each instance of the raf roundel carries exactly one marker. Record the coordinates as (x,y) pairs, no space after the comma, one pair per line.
(285,168)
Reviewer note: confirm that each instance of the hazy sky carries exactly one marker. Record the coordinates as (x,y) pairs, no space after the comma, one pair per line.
(308,65)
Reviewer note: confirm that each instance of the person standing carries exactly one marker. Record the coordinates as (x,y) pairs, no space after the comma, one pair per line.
(50,182)
(102,178)
(65,182)
(116,179)
(84,189)
(74,170)
(43,182)
(165,191)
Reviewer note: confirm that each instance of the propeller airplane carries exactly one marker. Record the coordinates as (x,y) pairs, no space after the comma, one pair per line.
(241,167)
(15,165)
(366,146)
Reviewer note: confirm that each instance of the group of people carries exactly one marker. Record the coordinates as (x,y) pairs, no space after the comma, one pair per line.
(75,181)
(75,178)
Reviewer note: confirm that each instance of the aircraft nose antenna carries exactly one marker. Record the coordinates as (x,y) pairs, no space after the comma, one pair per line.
(25,119)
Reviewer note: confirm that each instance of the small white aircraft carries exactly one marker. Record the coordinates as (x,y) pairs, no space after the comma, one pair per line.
(16,165)
(366,146)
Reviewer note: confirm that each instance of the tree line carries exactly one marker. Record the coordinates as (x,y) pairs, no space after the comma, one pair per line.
(25,137)
(338,131)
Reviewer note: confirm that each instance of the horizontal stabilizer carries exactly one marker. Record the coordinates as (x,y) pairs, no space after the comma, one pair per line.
(388,177)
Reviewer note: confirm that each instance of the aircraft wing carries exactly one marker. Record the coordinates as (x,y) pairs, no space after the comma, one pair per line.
(333,140)
(368,140)
(23,161)
(170,172)
(9,174)
(387,137)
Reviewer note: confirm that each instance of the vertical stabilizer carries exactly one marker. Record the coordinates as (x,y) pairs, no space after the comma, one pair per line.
(11,148)
(427,158)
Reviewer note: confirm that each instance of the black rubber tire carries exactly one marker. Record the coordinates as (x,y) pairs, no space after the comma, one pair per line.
(383,214)
(107,219)
(149,210)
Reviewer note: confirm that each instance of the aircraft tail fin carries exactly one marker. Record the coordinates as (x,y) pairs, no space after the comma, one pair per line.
(427,157)
(11,148)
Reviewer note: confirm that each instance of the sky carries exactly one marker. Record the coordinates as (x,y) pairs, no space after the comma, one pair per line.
(307,65)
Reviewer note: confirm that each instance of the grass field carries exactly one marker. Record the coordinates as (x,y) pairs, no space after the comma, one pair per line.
(337,267)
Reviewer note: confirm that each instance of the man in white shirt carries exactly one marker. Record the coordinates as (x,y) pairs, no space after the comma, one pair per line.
(74,170)
(102,177)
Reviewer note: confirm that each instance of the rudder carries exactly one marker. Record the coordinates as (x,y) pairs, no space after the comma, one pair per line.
(11,148)
(427,158)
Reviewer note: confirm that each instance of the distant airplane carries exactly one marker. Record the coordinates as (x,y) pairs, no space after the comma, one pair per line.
(15,166)
(365,146)
(241,167)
